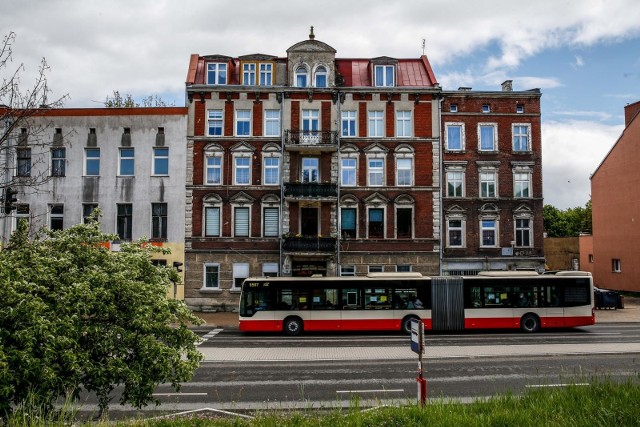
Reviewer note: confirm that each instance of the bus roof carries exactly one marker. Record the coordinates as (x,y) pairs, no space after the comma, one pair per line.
(507,273)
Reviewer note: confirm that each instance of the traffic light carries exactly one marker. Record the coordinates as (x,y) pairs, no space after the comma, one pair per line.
(10,199)
(177,265)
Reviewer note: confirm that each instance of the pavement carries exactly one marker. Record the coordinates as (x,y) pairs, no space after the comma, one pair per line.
(630,313)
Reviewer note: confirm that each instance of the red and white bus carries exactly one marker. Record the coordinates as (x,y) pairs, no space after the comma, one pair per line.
(389,301)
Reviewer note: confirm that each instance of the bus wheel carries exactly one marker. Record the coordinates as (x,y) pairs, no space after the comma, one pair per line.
(405,326)
(292,326)
(530,323)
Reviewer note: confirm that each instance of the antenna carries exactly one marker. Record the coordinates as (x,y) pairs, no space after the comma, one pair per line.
(424,42)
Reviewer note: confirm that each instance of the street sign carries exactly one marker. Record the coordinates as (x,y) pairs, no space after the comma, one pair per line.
(417,334)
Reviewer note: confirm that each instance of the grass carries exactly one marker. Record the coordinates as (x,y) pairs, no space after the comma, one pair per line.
(603,403)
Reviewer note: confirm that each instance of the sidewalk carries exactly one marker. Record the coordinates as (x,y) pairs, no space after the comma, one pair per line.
(630,313)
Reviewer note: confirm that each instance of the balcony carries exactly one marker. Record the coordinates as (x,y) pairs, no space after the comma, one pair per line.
(310,140)
(309,244)
(310,190)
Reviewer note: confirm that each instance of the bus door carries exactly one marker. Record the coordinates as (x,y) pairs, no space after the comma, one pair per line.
(447,303)
(554,309)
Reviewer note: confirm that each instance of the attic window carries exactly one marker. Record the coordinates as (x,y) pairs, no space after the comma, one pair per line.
(301,76)
(217,73)
(486,108)
(384,75)
(519,108)
(453,108)
(321,77)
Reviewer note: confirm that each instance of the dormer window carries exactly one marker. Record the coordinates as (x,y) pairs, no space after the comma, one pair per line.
(249,74)
(302,77)
(217,74)
(266,74)
(321,77)
(384,75)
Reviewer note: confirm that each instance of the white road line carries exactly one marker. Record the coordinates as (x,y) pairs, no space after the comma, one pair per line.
(209,335)
(180,394)
(399,390)
(195,411)
(554,385)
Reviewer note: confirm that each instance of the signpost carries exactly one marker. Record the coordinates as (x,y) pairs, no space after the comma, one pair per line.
(417,346)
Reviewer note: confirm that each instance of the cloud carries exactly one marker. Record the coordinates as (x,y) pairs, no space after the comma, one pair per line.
(578,61)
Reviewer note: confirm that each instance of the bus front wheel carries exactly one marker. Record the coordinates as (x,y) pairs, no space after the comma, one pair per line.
(292,326)
(405,326)
(530,323)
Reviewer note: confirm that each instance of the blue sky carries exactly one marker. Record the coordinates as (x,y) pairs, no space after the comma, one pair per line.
(583,55)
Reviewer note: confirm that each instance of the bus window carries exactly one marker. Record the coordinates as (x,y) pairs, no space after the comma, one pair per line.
(551,296)
(472,297)
(256,300)
(350,299)
(525,296)
(324,299)
(293,299)
(378,298)
(496,296)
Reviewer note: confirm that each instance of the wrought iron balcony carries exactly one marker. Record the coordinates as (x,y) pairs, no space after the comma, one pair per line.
(310,189)
(309,244)
(311,137)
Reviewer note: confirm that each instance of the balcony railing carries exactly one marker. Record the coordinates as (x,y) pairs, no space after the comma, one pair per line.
(309,244)
(310,189)
(311,137)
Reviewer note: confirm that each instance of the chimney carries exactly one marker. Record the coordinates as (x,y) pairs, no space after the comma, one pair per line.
(630,111)
(507,86)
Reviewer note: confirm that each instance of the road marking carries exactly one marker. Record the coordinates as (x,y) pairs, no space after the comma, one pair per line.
(235,414)
(554,385)
(399,390)
(209,335)
(180,394)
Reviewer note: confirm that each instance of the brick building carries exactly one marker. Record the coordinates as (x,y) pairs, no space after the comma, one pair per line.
(308,164)
(492,181)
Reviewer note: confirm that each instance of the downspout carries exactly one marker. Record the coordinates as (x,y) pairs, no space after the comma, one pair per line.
(281,166)
(338,214)
(440,178)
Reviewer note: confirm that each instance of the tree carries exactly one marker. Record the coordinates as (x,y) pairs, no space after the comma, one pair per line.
(571,222)
(127,101)
(17,105)
(76,316)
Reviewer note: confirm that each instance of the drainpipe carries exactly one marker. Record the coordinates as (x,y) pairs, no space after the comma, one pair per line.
(282,140)
(338,216)
(440,174)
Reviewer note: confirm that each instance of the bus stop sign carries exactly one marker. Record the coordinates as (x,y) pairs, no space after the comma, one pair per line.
(417,333)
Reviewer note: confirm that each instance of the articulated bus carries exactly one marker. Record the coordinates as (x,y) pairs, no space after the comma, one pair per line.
(390,301)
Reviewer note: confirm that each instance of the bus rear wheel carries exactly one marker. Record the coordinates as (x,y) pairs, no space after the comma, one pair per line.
(405,326)
(292,326)
(530,323)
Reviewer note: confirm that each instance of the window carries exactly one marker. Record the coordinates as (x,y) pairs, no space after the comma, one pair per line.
(376,223)
(348,123)
(347,270)
(127,157)
(161,161)
(375,123)
(375,172)
(249,74)
(404,223)
(521,184)
(591,258)
(348,172)
(486,108)
(22,215)
(453,108)
(266,74)
(455,233)
(384,75)
(487,137)
(58,157)
(310,169)
(159,221)
(87,210)
(92,161)
(455,184)
(301,76)
(217,74)
(214,169)
(488,232)
(124,221)
(24,162)
(240,272)
(523,232)
(270,269)
(616,265)
(454,137)
(272,123)
(212,221)
(521,138)
(211,276)
(348,223)
(56,217)
(404,126)
(271,170)
(404,172)
(242,172)
(241,222)
(310,121)
(321,77)
(271,221)
(243,122)
(519,108)
(214,122)
(376,269)
(487,184)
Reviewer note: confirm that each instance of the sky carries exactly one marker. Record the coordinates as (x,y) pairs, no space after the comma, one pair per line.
(584,55)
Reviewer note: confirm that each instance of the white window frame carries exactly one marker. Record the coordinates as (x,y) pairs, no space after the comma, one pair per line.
(271,121)
(375,120)
(157,157)
(355,209)
(266,160)
(459,125)
(412,219)
(236,167)
(218,79)
(310,121)
(301,71)
(384,221)
(205,222)
(88,159)
(461,229)
(520,108)
(453,108)
(375,170)
(494,136)
(404,124)
(616,265)
(403,160)
(486,108)
(249,74)
(321,70)
(375,268)
(518,137)
(215,120)
(266,74)
(204,276)
(163,226)
(309,168)
(234,210)
(349,121)
(23,213)
(350,170)
(347,270)
(450,179)
(384,79)
(522,182)
(243,117)
(58,161)
(214,155)
(122,158)
(268,268)
(56,216)
(495,228)
(264,220)
(240,271)
(486,178)
(521,230)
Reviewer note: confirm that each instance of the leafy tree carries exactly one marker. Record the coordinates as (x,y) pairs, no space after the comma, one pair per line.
(75,316)
(571,222)
(127,101)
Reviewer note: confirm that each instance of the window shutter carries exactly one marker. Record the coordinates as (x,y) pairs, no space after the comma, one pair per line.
(271,217)
(212,222)
(241,225)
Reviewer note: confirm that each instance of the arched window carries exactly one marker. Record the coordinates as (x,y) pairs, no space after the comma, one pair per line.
(321,76)
(302,76)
